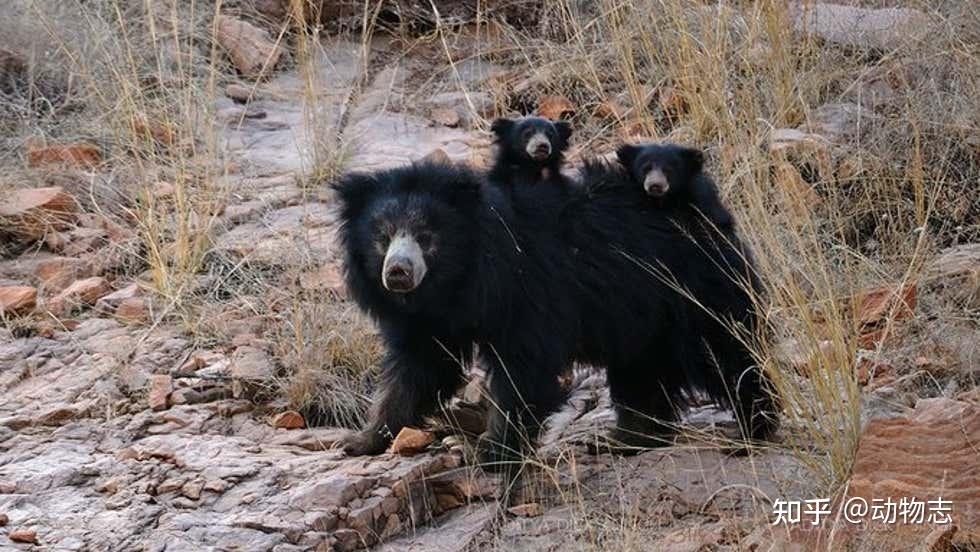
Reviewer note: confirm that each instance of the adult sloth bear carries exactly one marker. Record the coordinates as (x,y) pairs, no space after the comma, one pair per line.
(445,261)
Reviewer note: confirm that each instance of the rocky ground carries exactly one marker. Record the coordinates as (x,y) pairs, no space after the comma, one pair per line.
(122,432)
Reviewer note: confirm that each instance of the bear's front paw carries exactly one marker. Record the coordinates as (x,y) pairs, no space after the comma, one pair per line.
(367,442)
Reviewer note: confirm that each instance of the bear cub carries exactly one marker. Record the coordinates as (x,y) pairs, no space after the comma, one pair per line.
(673,175)
(530,150)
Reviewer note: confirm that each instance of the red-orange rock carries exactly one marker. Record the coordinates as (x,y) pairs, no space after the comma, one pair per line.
(58,272)
(17,300)
(876,309)
(411,441)
(162,133)
(133,311)
(875,373)
(289,419)
(556,108)
(26,536)
(249,47)
(161,386)
(81,293)
(75,155)
(31,213)
(928,455)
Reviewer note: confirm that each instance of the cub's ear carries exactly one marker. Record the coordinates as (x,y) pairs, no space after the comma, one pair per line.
(564,129)
(693,158)
(626,154)
(502,126)
(354,190)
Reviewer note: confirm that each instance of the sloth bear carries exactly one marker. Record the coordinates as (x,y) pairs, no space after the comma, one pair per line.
(530,150)
(672,174)
(451,267)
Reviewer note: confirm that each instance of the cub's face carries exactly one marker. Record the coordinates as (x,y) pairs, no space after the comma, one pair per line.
(661,168)
(532,139)
(408,231)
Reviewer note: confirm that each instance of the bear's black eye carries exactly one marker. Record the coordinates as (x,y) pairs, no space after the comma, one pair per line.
(424,239)
(526,134)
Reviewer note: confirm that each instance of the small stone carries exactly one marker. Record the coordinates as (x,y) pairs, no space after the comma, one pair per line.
(411,441)
(16,300)
(251,369)
(216,485)
(80,155)
(392,527)
(251,50)
(531,509)
(81,293)
(57,415)
(437,155)
(27,536)
(133,311)
(58,272)
(289,419)
(885,28)
(448,501)
(192,490)
(791,140)
(161,386)
(109,303)
(34,213)
(556,108)
(445,116)
(4,520)
(163,133)
(239,93)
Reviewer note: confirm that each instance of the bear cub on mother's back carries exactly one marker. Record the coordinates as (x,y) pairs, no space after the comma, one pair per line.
(530,150)
(674,176)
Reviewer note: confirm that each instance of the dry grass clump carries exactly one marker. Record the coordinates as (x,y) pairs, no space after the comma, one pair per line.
(330,353)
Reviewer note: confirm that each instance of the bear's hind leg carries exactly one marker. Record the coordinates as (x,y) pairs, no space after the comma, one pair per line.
(756,406)
(521,400)
(646,411)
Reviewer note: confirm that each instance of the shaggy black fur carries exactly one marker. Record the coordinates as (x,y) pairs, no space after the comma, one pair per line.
(513,166)
(689,187)
(537,281)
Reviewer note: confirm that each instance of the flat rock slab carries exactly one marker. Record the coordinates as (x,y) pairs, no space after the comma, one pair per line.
(861,27)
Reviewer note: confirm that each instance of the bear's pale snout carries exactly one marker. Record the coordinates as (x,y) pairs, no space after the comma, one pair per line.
(539,147)
(656,183)
(404,265)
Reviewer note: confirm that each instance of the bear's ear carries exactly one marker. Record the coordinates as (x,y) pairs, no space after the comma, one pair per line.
(564,129)
(502,126)
(693,159)
(355,190)
(626,154)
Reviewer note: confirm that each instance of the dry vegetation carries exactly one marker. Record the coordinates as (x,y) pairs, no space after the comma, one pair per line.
(825,221)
